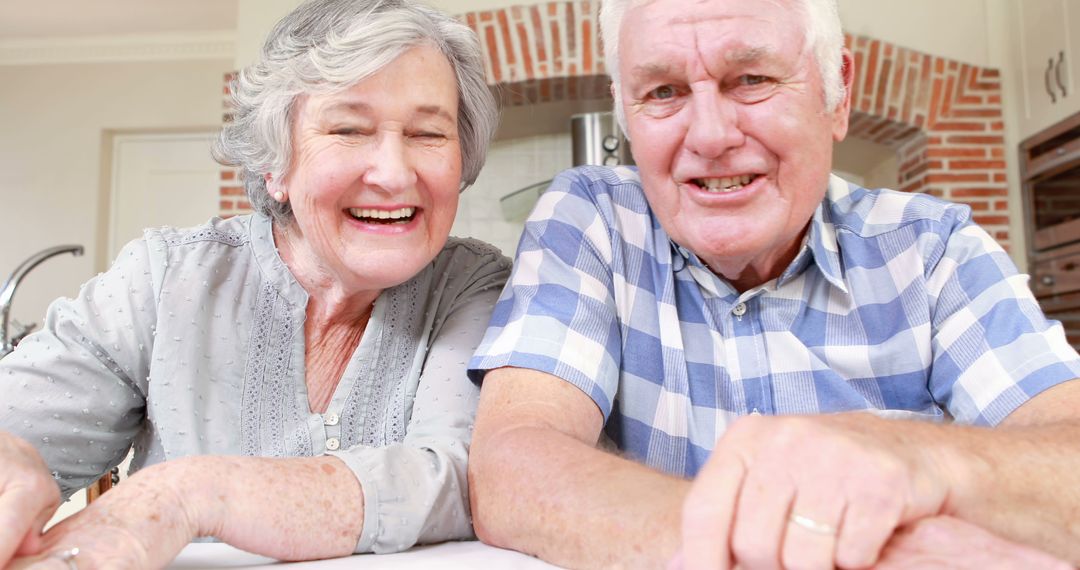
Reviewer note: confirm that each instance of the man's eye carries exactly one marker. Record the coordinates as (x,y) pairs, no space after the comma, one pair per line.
(662,92)
(751,80)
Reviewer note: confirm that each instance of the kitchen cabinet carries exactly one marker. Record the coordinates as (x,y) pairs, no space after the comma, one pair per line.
(1050,58)
(1050,169)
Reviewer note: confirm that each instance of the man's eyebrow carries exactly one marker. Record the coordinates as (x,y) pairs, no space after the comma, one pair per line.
(650,70)
(745,55)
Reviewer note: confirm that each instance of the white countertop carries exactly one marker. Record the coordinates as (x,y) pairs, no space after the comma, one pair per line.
(464,555)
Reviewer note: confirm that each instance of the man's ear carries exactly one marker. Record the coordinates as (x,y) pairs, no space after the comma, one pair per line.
(843,108)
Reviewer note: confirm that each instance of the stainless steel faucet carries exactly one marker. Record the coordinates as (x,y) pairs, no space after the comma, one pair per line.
(7,293)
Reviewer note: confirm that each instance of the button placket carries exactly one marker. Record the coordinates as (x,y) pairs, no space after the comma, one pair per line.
(332,426)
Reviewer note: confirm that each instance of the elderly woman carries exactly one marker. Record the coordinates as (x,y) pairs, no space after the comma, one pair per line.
(293,381)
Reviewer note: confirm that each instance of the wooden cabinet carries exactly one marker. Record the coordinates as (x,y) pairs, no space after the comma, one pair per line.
(1050,168)
(1050,57)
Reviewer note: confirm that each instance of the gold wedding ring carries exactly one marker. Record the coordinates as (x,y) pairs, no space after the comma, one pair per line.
(812,525)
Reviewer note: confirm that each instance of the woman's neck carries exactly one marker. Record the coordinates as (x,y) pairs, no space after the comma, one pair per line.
(331,299)
(336,318)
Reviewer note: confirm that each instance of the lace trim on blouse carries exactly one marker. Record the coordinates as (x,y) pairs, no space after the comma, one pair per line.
(267,394)
(206,233)
(374,413)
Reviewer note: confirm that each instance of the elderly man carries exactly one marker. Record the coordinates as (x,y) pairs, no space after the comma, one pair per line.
(711,314)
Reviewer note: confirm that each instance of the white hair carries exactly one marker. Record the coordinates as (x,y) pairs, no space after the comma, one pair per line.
(327,46)
(824,35)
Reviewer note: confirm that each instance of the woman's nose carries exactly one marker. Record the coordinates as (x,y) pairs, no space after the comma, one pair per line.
(389,166)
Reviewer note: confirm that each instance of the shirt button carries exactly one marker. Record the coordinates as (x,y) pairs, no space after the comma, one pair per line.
(739,310)
(332,444)
(331,419)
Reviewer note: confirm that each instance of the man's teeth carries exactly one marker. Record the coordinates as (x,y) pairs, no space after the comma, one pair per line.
(372,214)
(726,184)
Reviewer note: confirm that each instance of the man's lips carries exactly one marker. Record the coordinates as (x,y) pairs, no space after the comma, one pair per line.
(724,184)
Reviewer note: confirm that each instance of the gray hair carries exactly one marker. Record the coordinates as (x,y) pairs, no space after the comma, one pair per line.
(326,46)
(824,35)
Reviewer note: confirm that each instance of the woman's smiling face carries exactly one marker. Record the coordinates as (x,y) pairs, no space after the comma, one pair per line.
(375,173)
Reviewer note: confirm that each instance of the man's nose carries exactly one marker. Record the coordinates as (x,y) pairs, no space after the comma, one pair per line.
(714,124)
(389,165)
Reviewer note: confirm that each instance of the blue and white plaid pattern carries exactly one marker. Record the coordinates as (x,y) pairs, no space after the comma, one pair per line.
(897,304)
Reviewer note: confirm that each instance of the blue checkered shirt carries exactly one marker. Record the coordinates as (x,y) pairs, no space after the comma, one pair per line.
(896,304)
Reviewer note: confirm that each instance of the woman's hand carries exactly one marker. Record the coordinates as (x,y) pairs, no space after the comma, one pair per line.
(142,523)
(291,509)
(28,498)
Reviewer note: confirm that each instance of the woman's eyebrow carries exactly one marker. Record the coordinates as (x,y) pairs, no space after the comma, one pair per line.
(437,110)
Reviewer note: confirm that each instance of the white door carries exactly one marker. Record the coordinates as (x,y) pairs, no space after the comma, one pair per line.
(165,179)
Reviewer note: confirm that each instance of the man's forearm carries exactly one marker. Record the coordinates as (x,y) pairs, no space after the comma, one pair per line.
(547,494)
(1022,483)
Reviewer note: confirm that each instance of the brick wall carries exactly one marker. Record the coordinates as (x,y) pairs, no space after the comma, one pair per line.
(943,117)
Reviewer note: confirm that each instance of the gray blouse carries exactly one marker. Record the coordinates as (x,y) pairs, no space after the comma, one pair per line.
(192,343)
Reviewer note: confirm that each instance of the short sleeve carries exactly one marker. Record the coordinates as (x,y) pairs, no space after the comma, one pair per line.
(558,312)
(993,348)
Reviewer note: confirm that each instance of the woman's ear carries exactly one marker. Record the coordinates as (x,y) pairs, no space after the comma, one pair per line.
(274,188)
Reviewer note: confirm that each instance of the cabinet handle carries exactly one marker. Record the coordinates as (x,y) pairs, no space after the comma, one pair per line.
(1048,280)
(1046,77)
(1057,73)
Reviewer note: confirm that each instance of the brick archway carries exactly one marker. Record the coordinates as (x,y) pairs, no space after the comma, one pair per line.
(943,117)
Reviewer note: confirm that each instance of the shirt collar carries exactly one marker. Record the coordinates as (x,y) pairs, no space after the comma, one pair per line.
(270,262)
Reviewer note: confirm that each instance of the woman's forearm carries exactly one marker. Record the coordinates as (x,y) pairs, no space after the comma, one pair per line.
(289,509)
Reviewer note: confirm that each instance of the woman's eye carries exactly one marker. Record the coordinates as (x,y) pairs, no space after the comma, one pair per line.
(663,92)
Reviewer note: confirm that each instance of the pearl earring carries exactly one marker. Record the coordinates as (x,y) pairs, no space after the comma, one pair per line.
(279,196)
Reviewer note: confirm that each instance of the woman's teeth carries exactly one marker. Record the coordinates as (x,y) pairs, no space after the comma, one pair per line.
(383,216)
(725,185)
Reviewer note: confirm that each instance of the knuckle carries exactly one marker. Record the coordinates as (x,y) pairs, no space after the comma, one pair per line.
(794,560)
(751,551)
(855,557)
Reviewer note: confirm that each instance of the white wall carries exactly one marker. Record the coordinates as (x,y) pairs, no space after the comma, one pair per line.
(954,29)
(51,145)
(512,164)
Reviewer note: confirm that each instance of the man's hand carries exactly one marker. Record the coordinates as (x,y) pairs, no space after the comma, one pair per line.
(808,492)
(950,543)
(28,498)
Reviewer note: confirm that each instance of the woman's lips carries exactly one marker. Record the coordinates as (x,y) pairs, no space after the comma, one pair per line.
(396,221)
